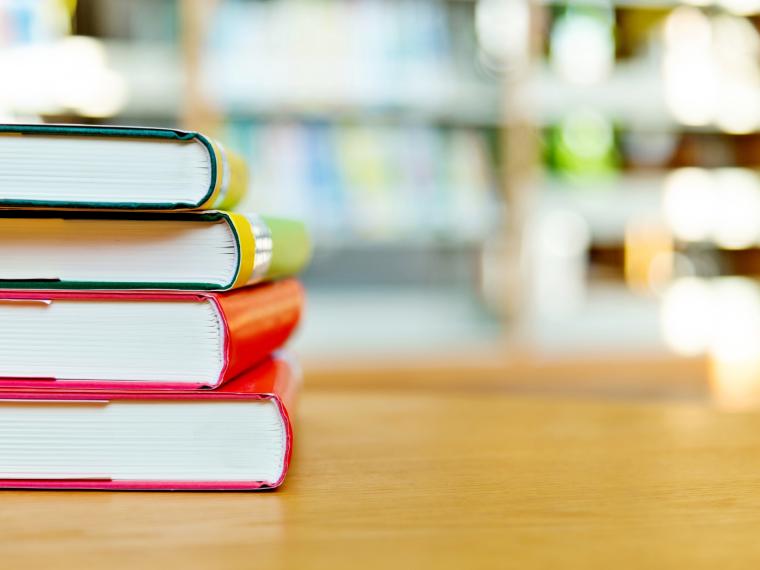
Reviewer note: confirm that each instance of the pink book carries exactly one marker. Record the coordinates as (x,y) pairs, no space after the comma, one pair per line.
(238,437)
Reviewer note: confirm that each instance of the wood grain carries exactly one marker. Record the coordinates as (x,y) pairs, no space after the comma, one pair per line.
(410,479)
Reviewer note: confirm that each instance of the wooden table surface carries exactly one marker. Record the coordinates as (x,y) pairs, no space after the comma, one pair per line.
(413,479)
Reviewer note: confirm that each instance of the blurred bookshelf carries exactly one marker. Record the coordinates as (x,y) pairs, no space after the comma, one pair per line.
(378,123)
(481,176)
(373,122)
(645,224)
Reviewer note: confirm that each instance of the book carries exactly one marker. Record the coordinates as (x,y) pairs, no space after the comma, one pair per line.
(372,182)
(237,437)
(106,167)
(142,340)
(214,250)
(119,168)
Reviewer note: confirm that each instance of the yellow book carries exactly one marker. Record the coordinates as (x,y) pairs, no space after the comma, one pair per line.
(214,250)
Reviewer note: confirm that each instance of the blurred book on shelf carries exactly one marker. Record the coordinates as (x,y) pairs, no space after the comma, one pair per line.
(414,184)
(25,22)
(595,154)
(380,124)
(332,56)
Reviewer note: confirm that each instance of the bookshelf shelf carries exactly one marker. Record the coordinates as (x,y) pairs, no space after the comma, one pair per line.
(394,129)
(416,126)
(458,102)
(620,4)
(633,97)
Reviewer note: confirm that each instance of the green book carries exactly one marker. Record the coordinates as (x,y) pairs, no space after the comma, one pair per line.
(116,168)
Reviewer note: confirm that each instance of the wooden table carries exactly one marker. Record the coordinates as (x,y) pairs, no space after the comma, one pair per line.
(409,479)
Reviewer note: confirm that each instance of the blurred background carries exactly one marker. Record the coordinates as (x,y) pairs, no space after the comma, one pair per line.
(530,193)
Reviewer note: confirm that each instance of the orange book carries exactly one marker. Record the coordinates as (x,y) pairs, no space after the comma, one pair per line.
(142,340)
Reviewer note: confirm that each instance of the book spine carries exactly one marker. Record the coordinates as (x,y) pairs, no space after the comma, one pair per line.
(259,320)
(231,181)
(269,248)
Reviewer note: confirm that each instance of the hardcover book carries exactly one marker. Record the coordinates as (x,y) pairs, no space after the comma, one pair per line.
(122,168)
(146,340)
(238,437)
(214,250)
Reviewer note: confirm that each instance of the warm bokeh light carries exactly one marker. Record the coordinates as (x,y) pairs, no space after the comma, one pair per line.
(722,205)
(741,7)
(719,316)
(690,88)
(736,50)
(736,208)
(500,49)
(711,71)
(648,255)
(688,202)
(67,75)
(686,316)
(735,325)
(735,386)
(735,343)
(582,47)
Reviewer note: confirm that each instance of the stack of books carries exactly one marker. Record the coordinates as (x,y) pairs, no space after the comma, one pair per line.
(139,315)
